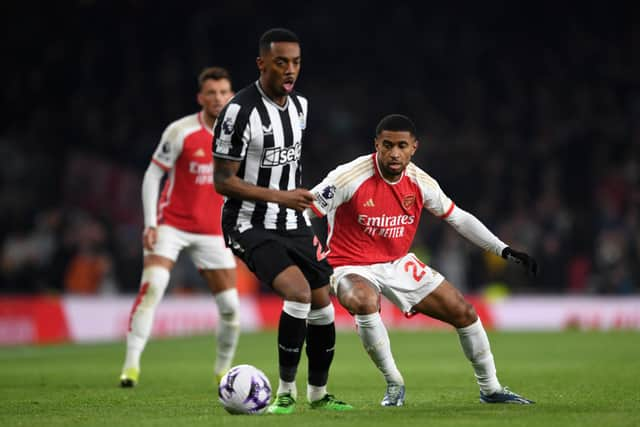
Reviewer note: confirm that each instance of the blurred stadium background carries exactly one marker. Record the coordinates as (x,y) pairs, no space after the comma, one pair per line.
(528,115)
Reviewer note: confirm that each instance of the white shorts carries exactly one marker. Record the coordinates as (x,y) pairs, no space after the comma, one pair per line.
(405,281)
(207,251)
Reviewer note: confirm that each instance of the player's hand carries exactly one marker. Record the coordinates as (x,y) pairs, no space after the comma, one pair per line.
(298,199)
(527,262)
(149,238)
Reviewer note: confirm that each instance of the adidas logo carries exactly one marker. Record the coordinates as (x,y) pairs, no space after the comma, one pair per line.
(199,153)
(369,203)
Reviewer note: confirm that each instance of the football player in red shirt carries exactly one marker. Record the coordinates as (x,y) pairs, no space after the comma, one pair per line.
(373,206)
(187,217)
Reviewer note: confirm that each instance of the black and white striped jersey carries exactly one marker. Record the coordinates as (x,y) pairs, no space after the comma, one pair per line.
(267,139)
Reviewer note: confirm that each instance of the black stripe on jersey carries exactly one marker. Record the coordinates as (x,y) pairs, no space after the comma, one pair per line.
(285,120)
(264,174)
(298,105)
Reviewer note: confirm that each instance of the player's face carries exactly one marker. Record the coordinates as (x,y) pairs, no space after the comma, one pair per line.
(214,95)
(279,67)
(395,149)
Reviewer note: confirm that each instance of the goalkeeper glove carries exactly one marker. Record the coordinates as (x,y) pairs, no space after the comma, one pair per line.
(527,262)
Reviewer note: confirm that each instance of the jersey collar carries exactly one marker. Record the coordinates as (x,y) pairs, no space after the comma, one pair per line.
(264,95)
(374,157)
(203,124)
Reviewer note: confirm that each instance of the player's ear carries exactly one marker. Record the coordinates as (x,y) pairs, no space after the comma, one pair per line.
(199,99)
(260,63)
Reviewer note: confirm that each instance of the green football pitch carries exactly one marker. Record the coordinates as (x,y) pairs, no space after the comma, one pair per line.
(577,378)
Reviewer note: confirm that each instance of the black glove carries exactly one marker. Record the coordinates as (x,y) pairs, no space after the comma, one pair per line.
(527,262)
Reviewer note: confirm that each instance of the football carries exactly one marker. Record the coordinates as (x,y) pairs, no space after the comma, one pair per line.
(245,389)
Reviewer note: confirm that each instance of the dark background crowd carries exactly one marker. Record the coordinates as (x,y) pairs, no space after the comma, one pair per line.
(528,116)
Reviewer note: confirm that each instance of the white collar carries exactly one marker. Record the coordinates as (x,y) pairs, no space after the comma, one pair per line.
(264,95)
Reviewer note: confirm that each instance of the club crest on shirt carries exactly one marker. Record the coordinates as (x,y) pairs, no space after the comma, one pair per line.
(408,201)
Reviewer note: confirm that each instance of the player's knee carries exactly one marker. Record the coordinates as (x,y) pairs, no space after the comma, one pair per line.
(465,315)
(228,303)
(153,285)
(298,294)
(359,304)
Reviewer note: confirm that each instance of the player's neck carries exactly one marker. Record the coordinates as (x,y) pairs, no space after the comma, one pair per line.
(278,99)
(207,119)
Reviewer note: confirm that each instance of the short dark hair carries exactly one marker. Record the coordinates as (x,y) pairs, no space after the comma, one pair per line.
(213,73)
(276,35)
(396,122)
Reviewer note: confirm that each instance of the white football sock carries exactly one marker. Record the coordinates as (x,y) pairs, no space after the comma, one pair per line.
(152,286)
(315,392)
(375,340)
(475,345)
(286,387)
(228,329)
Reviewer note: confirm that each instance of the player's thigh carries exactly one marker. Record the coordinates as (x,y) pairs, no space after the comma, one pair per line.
(263,253)
(446,303)
(219,280)
(407,281)
(170,242)
(310,259)
(209,252)
(357,289)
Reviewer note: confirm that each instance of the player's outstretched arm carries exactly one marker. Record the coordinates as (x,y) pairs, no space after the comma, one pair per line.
(229,184)
(476,232)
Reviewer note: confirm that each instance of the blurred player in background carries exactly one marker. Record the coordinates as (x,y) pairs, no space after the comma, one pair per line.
(187,217)
(257,153)
(373,206)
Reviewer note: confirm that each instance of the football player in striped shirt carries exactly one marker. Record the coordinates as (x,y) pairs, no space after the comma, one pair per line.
(257,152)
(373,206)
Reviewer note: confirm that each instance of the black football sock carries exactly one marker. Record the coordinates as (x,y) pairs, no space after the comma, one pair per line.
(291,334)
(321,342)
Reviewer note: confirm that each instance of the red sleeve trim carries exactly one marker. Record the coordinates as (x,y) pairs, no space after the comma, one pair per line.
(316,211)
(448,212)
(164,168)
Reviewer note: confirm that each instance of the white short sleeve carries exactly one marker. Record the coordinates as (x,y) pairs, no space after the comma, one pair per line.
(435,200)
(169,148)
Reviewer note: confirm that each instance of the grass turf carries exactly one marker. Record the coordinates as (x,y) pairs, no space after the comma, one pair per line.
(577,378)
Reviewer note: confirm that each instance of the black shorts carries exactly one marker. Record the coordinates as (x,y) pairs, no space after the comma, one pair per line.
(267,253)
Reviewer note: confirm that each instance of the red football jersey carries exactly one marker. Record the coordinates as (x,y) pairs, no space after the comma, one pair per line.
(189,201)
(370,219)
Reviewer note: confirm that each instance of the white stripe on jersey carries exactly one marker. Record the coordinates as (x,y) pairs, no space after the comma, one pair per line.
(250,174)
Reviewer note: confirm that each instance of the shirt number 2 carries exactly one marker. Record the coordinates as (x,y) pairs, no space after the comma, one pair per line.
(417,268)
